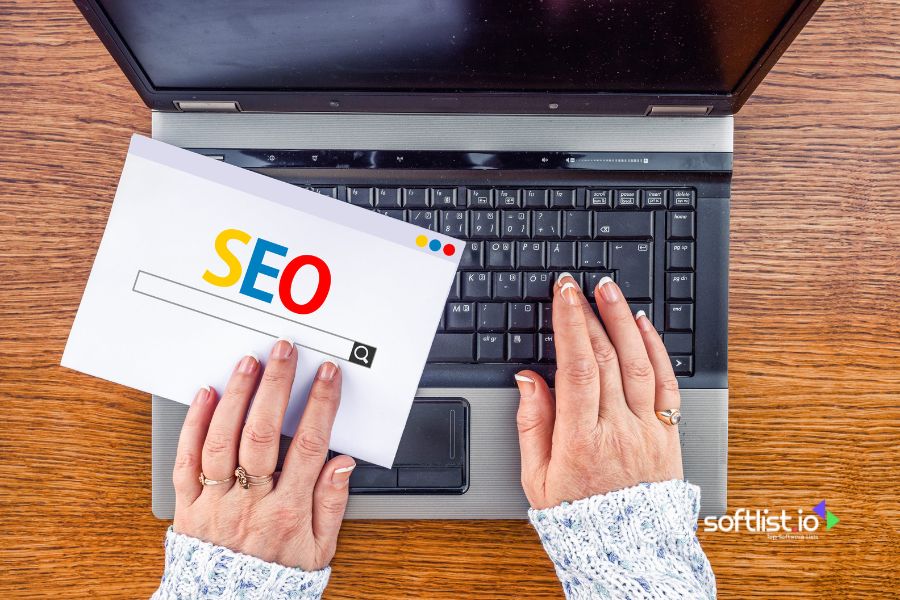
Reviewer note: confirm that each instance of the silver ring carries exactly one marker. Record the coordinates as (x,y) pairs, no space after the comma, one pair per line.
(204,481)
(246,480)
(670,416)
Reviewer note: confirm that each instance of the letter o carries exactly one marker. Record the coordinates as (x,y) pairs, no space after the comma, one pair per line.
(287,280)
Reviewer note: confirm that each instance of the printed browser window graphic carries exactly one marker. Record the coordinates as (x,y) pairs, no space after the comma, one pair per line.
(249,317)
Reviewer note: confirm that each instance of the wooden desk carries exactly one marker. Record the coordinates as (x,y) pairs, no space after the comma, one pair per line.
(815,337)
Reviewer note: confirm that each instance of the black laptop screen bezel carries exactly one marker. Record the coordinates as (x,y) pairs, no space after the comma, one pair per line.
(598,103)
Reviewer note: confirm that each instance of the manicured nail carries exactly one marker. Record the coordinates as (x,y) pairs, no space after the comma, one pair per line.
(559,280)
(527,384)
(608,292)
(203,394)
(340,476)
(643,322)
(639,314)
(284,347)
(326,372)
(248,364)
(569,292)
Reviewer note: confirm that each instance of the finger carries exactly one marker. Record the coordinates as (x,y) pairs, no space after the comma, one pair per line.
(220,450)
(258,452)
(577,375)
(667,393)
(308,449)
(186,474)
(637,373)
(535,424)
(330,502)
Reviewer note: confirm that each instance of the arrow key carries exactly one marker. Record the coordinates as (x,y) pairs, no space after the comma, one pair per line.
(683,365)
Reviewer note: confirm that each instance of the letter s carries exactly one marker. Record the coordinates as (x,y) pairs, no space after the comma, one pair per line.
(234,265)
(709,524)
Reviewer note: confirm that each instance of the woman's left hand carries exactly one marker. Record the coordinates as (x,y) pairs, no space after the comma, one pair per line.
(293,519)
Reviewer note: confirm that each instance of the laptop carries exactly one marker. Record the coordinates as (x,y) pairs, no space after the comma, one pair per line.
(551,137)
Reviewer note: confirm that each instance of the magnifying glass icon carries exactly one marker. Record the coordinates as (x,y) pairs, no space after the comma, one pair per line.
(362,354)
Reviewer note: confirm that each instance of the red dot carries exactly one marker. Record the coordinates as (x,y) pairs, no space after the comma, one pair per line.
(449,250)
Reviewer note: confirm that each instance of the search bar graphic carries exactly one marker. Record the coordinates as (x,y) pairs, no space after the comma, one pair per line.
(252,318)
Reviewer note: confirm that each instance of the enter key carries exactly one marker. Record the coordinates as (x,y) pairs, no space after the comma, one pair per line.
(634,263)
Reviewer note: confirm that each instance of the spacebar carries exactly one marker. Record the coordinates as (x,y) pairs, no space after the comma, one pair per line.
(452,347)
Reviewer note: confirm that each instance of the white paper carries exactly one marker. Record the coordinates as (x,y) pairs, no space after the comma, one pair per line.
(149,320)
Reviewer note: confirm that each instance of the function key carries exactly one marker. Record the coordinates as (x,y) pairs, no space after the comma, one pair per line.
(682,199)
(599,198)
(534,198)
(654,198)
(507,198)
(387,198)
(331,192)
(480,198)
(416,197)
(359,196)
(625,199)
(443,197)
(562,198)
(680,225)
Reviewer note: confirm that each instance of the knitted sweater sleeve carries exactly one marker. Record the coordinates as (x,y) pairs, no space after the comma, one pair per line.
(197,570)
(638,542)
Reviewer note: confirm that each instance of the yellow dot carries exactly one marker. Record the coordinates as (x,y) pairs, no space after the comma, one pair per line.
(421,241)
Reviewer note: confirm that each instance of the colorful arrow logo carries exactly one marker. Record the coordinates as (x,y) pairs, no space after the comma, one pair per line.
(830,519)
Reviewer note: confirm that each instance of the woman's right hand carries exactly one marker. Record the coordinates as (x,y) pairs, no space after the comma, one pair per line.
(600,433)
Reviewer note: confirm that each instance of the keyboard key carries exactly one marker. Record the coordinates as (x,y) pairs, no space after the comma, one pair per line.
(625,199)
(515,224)
(547,350)
(491,316)
(530,255)
(561,255)
(443,197)
(546,317)
(654,199)
(500,255)
(679,343)
(679,317)
(388,198)
(592,255)
(452,347)
(682,365)
(634,263)
(393,213)
(546,224)
(562,198)
(576,275)
(592,278)
(680,225)
(476,286)
(682,199)
(623,225)
(644,306)
(416,198)
(490,347)
(460,316)
(423,218)
(454,293)
(679,286)
(507,286)
(359,196)
(520,347)
(577,224)
(473,256)
(480,198)
(680,256)
(454,223)
(538,286)
(507,198)
(522,316)
(599,198)
(331,192)
(483,224)
(534,198)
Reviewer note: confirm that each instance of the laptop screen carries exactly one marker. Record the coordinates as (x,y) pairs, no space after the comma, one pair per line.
(653,46)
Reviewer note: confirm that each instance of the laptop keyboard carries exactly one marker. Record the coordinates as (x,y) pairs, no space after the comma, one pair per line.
(518,240)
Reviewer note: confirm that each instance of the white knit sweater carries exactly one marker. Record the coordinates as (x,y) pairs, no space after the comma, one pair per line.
(635,543)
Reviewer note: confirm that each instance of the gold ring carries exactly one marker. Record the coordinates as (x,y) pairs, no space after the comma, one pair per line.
(204,481)
(670,416)
(245,480)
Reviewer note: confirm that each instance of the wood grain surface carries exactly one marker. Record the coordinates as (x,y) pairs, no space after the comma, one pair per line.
(814,338)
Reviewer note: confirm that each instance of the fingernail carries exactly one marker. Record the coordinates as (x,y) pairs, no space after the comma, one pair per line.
(569,292)
(203,394)
(608,292)
(326,372)
(642,323)
(527,384)
(340,476)
(284,347)
(559,280)
(248,364)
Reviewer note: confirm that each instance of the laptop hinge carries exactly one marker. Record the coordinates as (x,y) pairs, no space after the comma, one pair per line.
(207,106)
(678,110)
